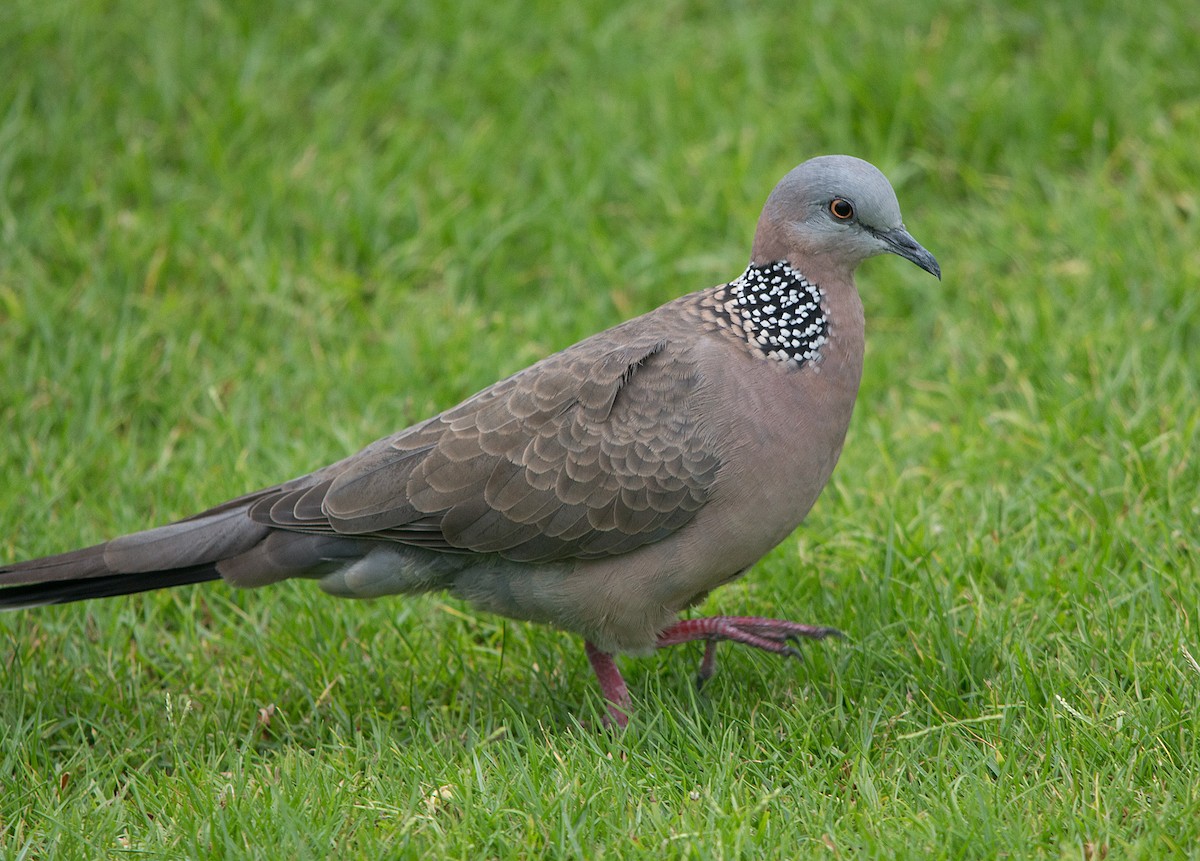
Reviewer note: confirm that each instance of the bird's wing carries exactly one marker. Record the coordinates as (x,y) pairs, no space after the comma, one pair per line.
(591,452)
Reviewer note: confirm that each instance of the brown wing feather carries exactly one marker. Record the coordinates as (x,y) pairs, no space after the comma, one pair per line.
(591,452)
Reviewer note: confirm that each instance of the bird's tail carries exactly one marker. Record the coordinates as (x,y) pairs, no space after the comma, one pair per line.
(173,555)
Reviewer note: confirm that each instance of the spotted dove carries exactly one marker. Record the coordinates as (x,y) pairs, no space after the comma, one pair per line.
(603,489)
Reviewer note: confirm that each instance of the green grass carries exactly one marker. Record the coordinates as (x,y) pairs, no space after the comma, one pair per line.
(240,240)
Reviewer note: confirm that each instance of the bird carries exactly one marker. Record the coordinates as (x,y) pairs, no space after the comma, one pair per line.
(603,490)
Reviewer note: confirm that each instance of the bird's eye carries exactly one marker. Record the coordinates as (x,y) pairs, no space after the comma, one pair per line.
(843,210)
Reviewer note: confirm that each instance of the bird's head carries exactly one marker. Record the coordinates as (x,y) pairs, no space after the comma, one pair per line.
(834,212)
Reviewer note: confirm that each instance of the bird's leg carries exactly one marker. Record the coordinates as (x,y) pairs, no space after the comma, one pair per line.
(611,685)
(770,635)
(708,664)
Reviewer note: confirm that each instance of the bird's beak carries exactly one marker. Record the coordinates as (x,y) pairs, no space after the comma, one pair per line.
(900,241)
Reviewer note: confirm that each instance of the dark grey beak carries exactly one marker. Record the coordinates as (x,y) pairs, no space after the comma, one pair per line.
(900,242)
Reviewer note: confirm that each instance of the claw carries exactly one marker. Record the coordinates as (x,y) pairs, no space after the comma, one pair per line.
(770,635)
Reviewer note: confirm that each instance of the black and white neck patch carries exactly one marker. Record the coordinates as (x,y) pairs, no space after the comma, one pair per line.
(779,312)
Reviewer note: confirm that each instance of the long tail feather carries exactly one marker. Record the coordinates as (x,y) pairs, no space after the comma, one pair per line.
(105,586)
(173,555)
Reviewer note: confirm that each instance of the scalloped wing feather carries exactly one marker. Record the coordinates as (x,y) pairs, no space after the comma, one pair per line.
(591,452)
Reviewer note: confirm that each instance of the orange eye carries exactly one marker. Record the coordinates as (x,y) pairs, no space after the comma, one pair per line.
(843,210)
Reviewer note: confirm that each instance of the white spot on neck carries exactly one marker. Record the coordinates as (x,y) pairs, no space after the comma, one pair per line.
(780,311)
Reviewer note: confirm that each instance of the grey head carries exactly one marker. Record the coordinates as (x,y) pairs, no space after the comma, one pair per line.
(835,210)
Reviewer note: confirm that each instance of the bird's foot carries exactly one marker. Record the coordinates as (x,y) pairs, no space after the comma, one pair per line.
(770,635)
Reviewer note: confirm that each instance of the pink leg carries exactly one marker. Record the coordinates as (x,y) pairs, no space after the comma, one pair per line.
(770,635)
(611,685)
(708,664)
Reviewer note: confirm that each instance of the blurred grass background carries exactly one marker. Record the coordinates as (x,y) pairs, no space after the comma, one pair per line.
(240,240)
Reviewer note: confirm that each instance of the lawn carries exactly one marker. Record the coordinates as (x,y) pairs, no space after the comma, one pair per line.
(241,240)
